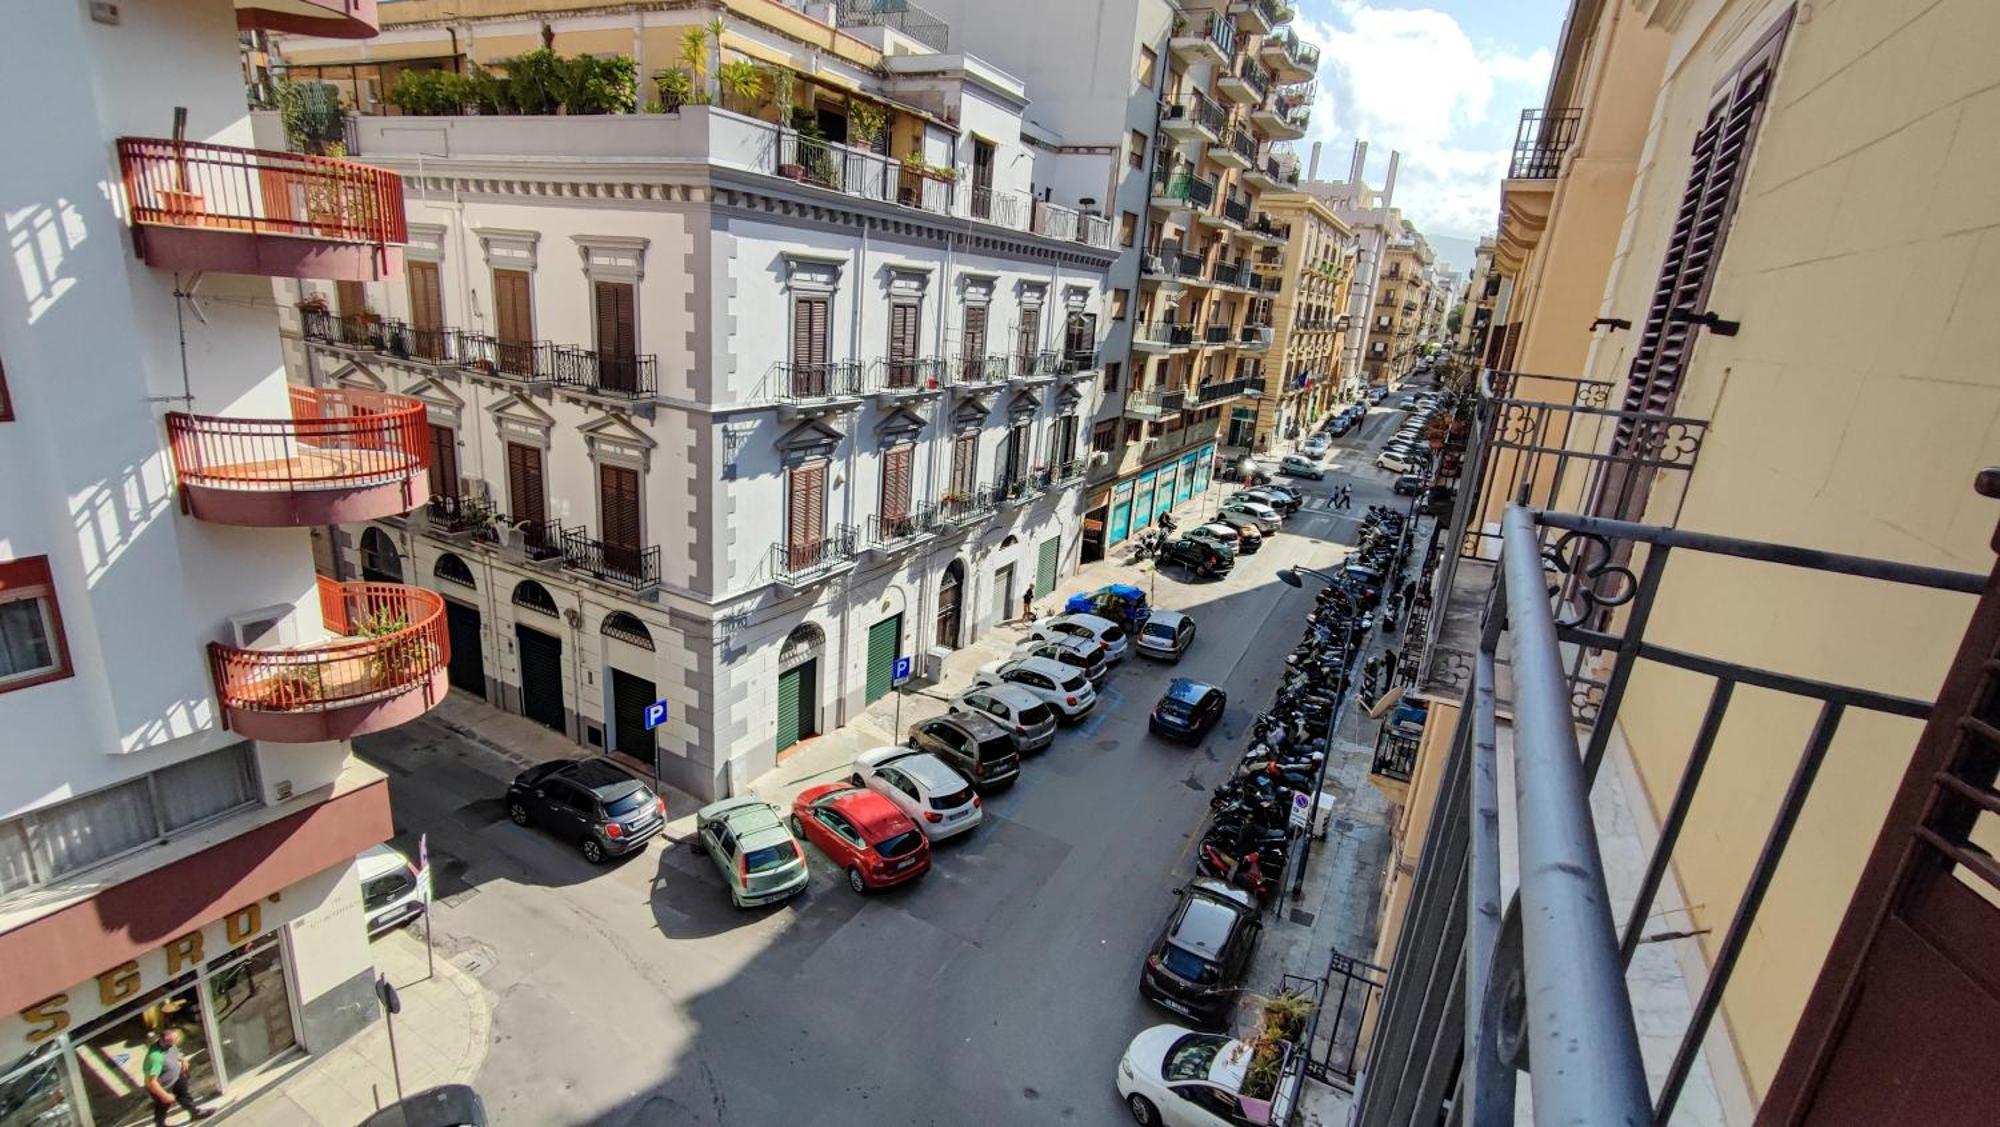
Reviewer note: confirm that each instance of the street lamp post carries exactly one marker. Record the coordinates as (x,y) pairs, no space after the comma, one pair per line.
(1290,577)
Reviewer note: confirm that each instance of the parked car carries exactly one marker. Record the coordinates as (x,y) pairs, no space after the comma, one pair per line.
(1060,687)
(759,859)
(1031,719)
(1377,394)
(1077,653)
(1409,485)
(1287,499)
(1395,462)
(393,891)
(876,844)
(1179,1077)
(1167,635)
(1120,602)
(593,802)
(1199,556)
(934,795)
(1188,709)
(1197,965)
(1223,534)
(977,746)
(1103,631)
(1250,537)
(1267,518)
(1316,447)
(1295,466)
(1247,470)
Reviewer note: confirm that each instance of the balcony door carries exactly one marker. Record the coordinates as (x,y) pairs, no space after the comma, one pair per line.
(444,462)
(897,464)
(617,336)
(1062,442)
(618,518)
(810,317)
(982,179)
(426,309)
(1028,340)
(514,322)
(964,465)
(805,516)
(1017,452)
(904,318)
(525,499)
(973,342)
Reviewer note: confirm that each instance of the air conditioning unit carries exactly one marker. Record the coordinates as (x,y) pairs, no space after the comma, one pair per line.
(476,488)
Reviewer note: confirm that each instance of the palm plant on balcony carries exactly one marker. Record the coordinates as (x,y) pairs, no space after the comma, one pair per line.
(536,81)
(676,90)
(742,84)
(310,112)
(600,85)
(865,122)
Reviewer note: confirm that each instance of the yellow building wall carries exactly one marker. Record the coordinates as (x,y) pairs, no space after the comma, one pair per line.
(1413,821)
(1850,414)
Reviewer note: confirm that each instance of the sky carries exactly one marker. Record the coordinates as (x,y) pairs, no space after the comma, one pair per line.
(1441,81)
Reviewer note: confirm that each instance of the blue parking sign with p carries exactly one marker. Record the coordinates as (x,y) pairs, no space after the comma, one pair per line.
(901,673)
(656,714)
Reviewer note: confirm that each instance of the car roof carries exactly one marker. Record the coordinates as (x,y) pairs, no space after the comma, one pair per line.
(1047,666)
(930,772)
(600,776)
(1204,925)
(875,816)
(755,824)
(1188,689)
(378,859)
(1166,618)
(1218,528)
(1009,693)
(1098,624)
(984,727)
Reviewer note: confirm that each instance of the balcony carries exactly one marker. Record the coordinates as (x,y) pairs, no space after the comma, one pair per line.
(1244,84)
(1078,362)
(1272,175)
(1232,389)
(888,534)
(1540,142)
(816,388)
(1036,367)
(1289,57)
(1395,756)
(960,508)
(1068,473)
(1254,338)
(196,207)
(1258,17)
(1054,221)
(1019,488)
(1236,211)
(1267,232)
(384,666)
(1285,115)
(977,374)
(801,564)
(1154,404)
(1209,37)
(1161,336)
(342,456)
(1191,117)
(1182,190)
(331,19)
(1236,274)
(604,374)
(1237,149)
(621,565)
(460,518)
(1215,336)
(1168,265)
(891,378)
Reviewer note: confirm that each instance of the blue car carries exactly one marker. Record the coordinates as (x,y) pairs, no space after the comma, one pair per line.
(1188,709)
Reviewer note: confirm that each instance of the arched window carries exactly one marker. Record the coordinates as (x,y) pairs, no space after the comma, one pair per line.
(535,597)
(802,645)
(451,569)
(1010,541)
(380,562)
(627,628)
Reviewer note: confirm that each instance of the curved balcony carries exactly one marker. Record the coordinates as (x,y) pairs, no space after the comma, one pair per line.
(333,19)
(386,665)
(343,456)
(254,211)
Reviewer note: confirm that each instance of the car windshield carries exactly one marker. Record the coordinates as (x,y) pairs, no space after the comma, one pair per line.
(902,843)
(629,804)
(771,857)
(1187,965)
(1112,634)
(1191,1056)
(1073,685)
(951,801)
(1030,717)
(998,748)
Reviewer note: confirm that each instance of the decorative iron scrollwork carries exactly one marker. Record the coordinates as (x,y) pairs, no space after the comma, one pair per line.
(1592,393)
(1664,442)
(1588,579)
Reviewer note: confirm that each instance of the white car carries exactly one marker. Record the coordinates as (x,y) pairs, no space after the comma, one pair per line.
(1103,631)
(1268,519)
(1316,446)
(935,796)
(1031,720)
(393,891)
(1065,689)
(1173,1076)
(1297,466)
(1083,654)
(1167,634)
(1394,462)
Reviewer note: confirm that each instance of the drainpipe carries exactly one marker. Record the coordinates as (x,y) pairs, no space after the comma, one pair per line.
(847,493)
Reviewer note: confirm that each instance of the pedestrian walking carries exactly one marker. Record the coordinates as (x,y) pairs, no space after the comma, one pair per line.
(1028,604)
(166,1075)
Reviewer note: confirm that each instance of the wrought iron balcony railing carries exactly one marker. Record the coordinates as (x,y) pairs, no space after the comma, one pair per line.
(1184,188)
(1196,109)
(1236,211)
(631,377)
(460,516)
(801,561)
(624,565)
(1173,334)
(1217,29)
(890,530)
(1216,334)
(903,375)
(978,371)
(1395,756)
(1540,142)
(800,383)
(963,506)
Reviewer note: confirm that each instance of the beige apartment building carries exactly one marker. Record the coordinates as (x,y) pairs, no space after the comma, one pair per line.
(1314,270)
(1398,316)
(1788,762)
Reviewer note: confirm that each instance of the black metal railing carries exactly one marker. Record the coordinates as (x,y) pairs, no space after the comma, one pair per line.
(1215,27)
(1248,72)
(1173,334)
(800,560)
(1064,472)
(901,15)
(1022,485)
(1237,211)
(1540,142)
(1216,392)
(835,379)
(1216,334)
(1229,273)
(626,565)
(1034,365)
(1075,361)
(1265,226)
(460,515)
(605,373)
(1395,756)
(1183,185)
(1255,336)
(1194,108)
(892,375)
(958,507)
(1277,173)
(978,371)
(894,531)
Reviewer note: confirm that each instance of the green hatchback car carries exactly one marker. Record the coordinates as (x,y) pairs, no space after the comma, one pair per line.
(759,859)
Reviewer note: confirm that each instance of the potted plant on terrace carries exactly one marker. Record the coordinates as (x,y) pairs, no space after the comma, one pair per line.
(865,122)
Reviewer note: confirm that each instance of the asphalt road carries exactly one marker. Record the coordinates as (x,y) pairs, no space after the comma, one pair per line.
(998,990)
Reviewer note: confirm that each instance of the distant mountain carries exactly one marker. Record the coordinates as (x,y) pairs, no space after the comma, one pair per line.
(1455,252)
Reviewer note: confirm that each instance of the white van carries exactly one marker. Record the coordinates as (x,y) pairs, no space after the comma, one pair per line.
(393,891)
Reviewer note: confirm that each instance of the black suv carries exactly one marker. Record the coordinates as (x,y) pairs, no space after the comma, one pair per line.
(1198,963)
(979,746)
(593,802)
(1201,557)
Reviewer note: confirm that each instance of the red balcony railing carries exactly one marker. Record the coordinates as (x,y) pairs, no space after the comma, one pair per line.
(258,191)
(337,438)
(392,641)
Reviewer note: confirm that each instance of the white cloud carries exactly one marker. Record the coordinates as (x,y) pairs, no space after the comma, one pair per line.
(1412,80)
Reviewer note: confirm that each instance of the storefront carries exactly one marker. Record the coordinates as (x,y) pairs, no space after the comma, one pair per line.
(1138,500)
(77,1056)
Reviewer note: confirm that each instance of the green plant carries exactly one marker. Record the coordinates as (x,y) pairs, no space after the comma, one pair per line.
(310,113)
(694,53)
(742,81)
(676,89)
(866,121)
(536,81)
(600,85)
(781,91)
(430,93)
(486,92)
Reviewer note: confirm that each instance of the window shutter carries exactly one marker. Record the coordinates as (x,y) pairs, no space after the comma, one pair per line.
(351,297)
(964,463)
(896,463)
(975,332)
(618,503)
(902,343)
(806,522)
(426,295)
(1030,331)
(617,327)
(444,462)
(809,322)
(513,314)
(524,486)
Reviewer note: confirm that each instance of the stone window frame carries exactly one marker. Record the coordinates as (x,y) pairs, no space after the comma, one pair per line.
(608,442)
(813,275)
(619,259)
(427,243)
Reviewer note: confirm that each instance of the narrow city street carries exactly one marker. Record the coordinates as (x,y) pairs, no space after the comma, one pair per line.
(999,989)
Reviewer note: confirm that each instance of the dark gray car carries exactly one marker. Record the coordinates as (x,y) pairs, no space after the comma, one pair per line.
(975,744)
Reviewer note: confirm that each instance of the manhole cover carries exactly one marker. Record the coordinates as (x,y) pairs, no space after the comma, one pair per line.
(1302,917)
(1343,825)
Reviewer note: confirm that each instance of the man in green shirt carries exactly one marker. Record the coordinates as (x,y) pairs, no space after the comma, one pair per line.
(167,1079)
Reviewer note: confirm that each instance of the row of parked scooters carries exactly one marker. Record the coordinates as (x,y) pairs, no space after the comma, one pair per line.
(1255,817)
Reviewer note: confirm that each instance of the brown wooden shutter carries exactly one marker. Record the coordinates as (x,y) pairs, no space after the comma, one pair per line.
(897,462)
(618,506)
(513,313)
(809,346)
(902,343)
(444,462)
(426,295)
(617,319)
(806,520)
(964,463)
(351,297)
(524,488)
(1030,333)
(972,345)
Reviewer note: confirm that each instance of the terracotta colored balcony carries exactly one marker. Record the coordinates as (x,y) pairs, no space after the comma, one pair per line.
(343,456)
(386,666)
(253,211)
(334,19)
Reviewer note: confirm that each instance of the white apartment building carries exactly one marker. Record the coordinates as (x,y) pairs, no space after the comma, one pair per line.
(728,417)
(179,813)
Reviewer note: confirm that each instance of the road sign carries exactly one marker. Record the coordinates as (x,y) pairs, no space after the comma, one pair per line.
(901,673)
(656,714)
(1301,809)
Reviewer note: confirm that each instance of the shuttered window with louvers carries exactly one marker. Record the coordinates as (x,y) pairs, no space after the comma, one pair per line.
(806,520)
(809,345)
(903,320)
(964,463)
(896,466)
(524,489)
(973,350)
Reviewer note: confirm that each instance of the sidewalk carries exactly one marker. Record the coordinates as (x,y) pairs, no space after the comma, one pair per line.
(441,1038)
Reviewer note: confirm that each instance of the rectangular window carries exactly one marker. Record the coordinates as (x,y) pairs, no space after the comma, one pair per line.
(97,827)
(617,335)
(1128,228)
(1133,429)
(618,508)
(897,464)
(205,787)
(444,461)
(1135,153)
(31,640)
(810,317)
(964,464)
(1028,336)
(426,294)
(514,321)
(1118,299)
(805,519)
(1062,444)
(524,489)
(904,328)
(1104,436)
(1149,67)
(350,298)
(1111,373)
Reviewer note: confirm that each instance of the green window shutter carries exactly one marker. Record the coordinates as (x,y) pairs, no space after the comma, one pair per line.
(884,639)
(1045,572)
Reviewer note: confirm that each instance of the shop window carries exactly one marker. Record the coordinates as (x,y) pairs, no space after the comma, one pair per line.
(253,1014)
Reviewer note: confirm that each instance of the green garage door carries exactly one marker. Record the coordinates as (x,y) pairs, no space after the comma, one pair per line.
(791,704)
(884,639)
(1045,569)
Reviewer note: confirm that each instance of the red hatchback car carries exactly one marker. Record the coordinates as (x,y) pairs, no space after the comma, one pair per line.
(863,833)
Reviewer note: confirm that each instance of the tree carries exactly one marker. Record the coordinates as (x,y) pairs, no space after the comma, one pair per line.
(1454,319)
